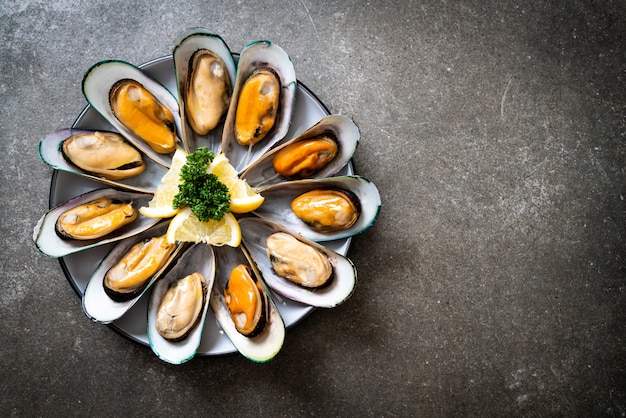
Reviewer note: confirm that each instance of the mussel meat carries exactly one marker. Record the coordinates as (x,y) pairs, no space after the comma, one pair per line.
(181,307)
(208,91)
(137,109)
(303,158)
(94,219)
(327,210)
(257,107)
(245,301)
(298,262)
(105,154)
(134,270)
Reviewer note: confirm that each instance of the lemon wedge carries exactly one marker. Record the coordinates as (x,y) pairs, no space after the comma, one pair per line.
(161,204)
(243,198)
(186,227)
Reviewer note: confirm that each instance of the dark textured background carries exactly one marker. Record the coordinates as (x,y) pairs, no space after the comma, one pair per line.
(493,280)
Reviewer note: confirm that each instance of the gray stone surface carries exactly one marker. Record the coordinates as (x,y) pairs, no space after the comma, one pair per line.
(493,280)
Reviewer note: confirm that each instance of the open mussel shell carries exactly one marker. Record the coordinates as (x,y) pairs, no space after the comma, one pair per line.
(50,151)
(256,56)
(48,241)
(341,285)
(341,129)
(264,346)
(188,45)
(198,258)
(278,198)
(97,304)
(97,85)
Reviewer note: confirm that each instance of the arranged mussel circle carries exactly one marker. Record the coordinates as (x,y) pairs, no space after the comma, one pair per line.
(261,338)
(262,104)
(282,258)
(362,193)
(137,106)
(106,303)
(100,156)
(205,74)
(49,241)
(320,151)
(178,305)
(279,261)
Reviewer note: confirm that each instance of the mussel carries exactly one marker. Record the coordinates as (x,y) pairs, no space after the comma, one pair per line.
(327,210)
(178,305)
(133,271)
(297,261)
(257,107)
(245,301)
(262,104)
(208,91)
(304,158)
(322,150)
(343,206)
(95,219)
(181,306)
(142,113)
(243,307)
(104,154)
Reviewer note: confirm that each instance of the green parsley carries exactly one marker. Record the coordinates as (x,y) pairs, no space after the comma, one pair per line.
(207,197)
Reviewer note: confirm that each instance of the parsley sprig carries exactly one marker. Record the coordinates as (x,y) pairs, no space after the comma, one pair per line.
(207,197)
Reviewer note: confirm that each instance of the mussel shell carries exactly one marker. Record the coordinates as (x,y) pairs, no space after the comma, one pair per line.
(98,82)
(185,46)
(254,234)
(50,153)
(97,305)
(49,243)
(261,173)
(266,344)
(198,258)
(278,198)
(259,55)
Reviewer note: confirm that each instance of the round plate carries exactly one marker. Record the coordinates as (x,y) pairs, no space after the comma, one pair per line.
(79,267)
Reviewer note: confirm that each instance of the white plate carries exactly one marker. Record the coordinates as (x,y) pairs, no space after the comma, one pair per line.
(79,267)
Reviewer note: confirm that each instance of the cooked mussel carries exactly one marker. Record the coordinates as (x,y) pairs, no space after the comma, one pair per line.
(134,270)
(208,91)
(105,154)
(262,104)
(142,113)
(181,306)
(327,210)
(95,219)
(302,159)
(297,261)
(257,107)
(245,301)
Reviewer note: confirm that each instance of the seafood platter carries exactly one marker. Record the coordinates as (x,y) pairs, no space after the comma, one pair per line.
(128,202)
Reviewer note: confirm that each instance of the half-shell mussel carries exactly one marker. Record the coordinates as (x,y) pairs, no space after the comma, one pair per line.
(181,307)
